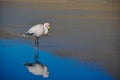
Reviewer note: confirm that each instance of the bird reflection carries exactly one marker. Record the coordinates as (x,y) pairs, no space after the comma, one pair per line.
(37,68)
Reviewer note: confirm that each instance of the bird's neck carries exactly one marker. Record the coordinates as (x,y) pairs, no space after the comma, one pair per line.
(45,27)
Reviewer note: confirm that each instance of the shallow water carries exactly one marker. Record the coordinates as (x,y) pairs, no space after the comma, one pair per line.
(14,54)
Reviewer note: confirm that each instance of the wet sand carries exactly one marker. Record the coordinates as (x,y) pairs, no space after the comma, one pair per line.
(87,30)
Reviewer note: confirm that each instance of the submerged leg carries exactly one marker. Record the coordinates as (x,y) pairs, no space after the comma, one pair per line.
(37,52)
(35,49)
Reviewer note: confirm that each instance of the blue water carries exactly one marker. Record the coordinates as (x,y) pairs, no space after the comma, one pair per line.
(13,55)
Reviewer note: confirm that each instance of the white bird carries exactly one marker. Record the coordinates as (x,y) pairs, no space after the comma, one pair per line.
(37,31)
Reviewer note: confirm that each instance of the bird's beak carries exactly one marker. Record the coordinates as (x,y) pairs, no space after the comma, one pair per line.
(48,27)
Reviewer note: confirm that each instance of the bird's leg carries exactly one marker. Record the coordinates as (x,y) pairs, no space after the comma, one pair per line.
(35,49)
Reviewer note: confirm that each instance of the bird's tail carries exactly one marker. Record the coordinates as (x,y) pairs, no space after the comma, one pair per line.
(24,35)
(27,34)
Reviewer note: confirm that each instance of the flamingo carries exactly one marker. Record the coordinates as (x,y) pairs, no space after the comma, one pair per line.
(36,31)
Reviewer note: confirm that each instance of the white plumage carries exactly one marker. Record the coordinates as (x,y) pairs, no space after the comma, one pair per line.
(38,30)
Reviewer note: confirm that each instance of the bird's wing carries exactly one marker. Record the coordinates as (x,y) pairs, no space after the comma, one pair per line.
(34,29)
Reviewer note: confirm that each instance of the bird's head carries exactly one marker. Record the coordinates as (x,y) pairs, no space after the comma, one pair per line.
(47,25)
(45,72)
